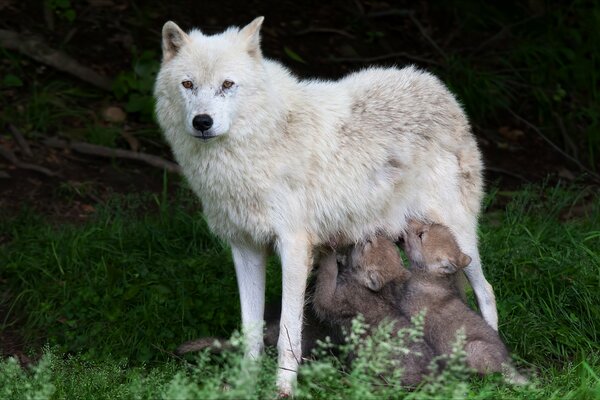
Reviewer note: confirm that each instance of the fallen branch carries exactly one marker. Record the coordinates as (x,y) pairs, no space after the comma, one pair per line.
(10,156)
(506,172)
(340,32)
(35,48)
(103,151)
(21,141)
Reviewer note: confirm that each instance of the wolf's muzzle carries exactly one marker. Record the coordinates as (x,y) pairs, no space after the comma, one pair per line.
(202,122)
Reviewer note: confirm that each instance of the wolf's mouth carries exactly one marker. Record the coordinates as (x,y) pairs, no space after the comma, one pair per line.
(204,137)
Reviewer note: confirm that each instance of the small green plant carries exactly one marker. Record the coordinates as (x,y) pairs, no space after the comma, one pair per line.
(135,86)
(11,81)
(63,8)
(71,190)
(102,135)
(49,106)
(15,383)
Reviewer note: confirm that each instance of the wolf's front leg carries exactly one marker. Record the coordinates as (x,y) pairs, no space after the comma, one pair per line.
(250,261)
(296,261)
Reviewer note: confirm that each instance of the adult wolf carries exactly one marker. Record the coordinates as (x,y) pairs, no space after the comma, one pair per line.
(290,165)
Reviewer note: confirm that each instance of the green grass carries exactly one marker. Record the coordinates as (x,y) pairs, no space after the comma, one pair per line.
(101,288)
(114,295)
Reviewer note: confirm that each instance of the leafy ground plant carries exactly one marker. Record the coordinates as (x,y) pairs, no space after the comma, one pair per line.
(114,295)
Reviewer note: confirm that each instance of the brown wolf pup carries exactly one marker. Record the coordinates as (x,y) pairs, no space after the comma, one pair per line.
(435,260)
(369,283)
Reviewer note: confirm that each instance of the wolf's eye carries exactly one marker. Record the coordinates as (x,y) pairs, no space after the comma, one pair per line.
(187,84)
(227,84)
(421,235)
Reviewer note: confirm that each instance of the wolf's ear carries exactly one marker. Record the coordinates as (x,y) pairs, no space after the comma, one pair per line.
(374,281)
(250,34)
(456,263)
(173,39)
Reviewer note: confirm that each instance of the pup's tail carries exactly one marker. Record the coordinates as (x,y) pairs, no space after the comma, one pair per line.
(215,345)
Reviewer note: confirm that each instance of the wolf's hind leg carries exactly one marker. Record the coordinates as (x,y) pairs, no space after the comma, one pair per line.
(483,290)
(467,240)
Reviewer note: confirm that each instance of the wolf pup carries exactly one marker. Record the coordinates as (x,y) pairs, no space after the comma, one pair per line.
(288,164)
(369,284)
(435,259)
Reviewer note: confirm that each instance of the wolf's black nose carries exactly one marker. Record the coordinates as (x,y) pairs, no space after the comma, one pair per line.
(202,122)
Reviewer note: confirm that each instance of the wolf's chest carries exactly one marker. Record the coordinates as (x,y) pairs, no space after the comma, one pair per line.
(233,199)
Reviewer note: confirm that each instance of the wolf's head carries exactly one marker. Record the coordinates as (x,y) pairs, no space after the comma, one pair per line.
(207,80)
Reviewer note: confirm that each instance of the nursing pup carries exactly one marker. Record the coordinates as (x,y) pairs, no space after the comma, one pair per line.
(435,260)
(369,283)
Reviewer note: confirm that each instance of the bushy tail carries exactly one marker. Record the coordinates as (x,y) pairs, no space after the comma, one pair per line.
(215,345)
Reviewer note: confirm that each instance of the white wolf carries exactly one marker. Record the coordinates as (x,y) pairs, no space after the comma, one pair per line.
(291,165)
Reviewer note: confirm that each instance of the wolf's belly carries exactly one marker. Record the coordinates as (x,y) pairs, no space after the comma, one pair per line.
(356,213)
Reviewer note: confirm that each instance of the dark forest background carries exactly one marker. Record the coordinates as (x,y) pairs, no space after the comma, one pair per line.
(526,72)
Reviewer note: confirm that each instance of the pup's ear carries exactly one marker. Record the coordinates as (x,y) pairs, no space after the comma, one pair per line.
(463,260)
(415,225)
(374,281)
(456,263)
(250,34)
(173,39)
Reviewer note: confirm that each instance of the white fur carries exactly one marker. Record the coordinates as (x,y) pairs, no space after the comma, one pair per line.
(250,270)
(298,163)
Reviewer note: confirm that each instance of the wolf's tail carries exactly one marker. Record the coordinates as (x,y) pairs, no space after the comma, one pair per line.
(215,345)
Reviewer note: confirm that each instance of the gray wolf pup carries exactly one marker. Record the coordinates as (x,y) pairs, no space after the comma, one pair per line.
(288,164)
(435,260)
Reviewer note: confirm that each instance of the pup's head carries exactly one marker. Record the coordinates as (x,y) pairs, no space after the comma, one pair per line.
(376,262)
(433,248)
(205,80)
